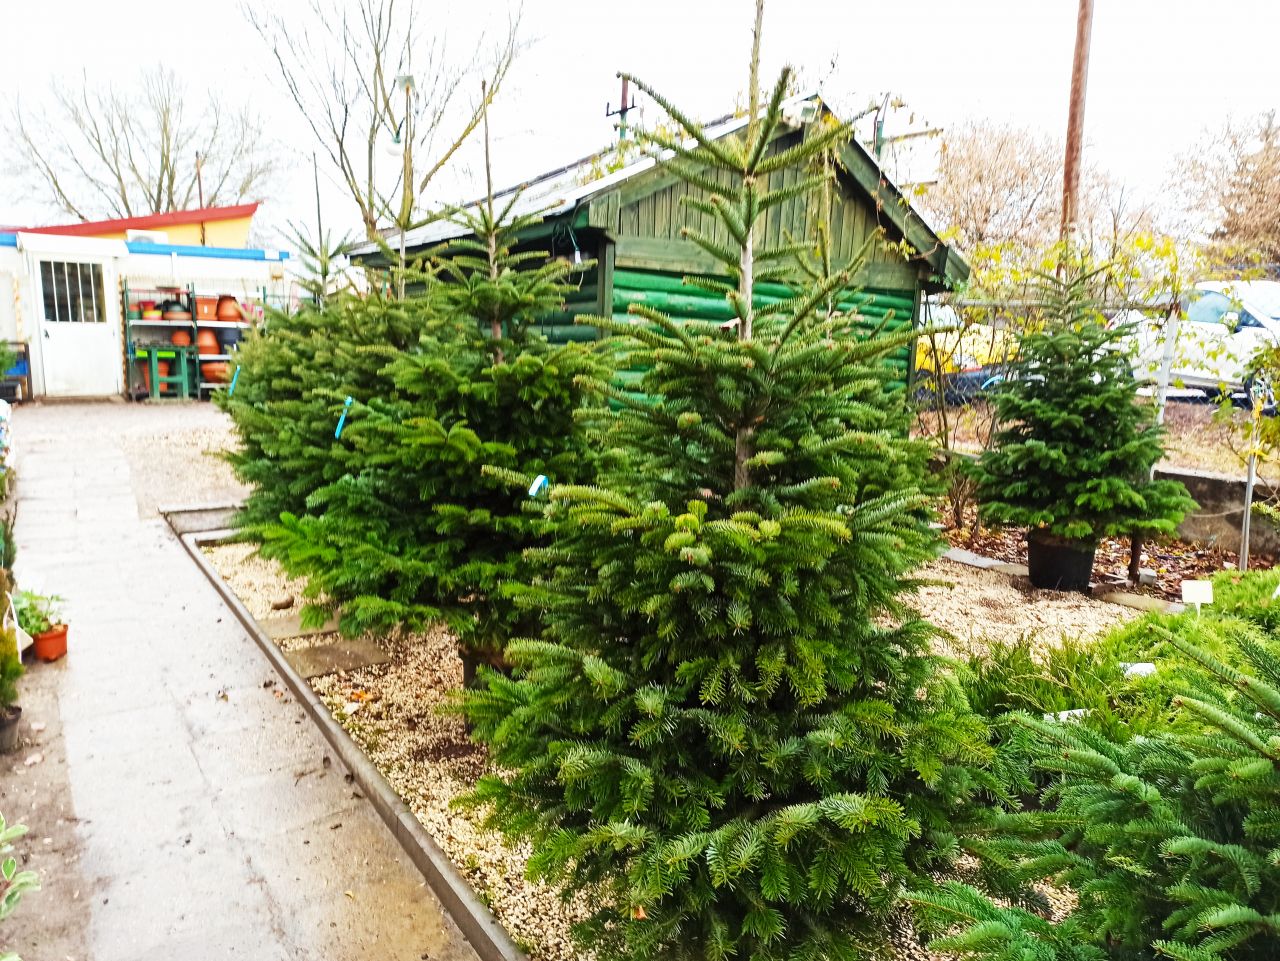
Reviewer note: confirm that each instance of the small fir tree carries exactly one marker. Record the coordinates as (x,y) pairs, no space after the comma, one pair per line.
(413,532)
(1169,840)
(731,732)
(1073,459)
(291,386)
(392,522)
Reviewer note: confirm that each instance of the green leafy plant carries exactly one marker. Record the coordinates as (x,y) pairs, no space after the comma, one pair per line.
(1073,458)
(37,613)
(1168,840)
(8,544)
(731,733)
(13,883)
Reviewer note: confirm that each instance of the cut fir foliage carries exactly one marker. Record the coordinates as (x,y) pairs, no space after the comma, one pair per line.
(1171,841)
(1073,460)
(410,531)
(730,734)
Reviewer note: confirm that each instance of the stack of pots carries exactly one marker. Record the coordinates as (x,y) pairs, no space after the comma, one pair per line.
(229,310)
(207,343)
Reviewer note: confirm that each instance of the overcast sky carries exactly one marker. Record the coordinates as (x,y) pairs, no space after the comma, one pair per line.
(1161,70)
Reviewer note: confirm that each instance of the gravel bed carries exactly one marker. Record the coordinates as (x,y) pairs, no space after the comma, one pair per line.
(255,580)
(173,451)
(976,607)
(394,712)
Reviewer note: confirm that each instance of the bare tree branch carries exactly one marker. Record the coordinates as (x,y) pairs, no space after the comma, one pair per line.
(341,76)
(1228,185)
(120,152)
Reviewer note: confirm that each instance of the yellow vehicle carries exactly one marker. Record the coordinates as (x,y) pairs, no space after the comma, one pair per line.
(961,361)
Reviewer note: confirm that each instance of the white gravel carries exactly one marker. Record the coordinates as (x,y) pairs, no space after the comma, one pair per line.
(975,607)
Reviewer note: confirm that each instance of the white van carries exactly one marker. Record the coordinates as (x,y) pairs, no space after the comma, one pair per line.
(1225,324)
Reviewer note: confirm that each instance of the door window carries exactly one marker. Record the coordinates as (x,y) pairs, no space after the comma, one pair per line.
(72,292)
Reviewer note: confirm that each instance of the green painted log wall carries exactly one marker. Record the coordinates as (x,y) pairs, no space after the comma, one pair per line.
(668,293)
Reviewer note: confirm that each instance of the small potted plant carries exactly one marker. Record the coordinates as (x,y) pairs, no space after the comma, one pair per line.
(10,671)
(1072,461)
(40,616)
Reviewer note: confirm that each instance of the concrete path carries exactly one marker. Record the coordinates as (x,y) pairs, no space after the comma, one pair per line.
(208,821)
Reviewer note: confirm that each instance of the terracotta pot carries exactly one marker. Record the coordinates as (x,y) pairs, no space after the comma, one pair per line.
(228,308)
(215,372)
(207,342)
(181,338)
(52,644)
(10,718)
(176,315)
(162,368)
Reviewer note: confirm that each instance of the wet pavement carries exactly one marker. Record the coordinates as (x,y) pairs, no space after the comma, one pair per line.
(203,817)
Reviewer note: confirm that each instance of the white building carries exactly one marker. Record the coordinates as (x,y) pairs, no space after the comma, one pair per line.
(74,301)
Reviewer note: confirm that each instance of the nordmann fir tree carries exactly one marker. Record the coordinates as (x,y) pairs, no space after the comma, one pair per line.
(730,735)
(412,532)
(1073,460)
(293,379)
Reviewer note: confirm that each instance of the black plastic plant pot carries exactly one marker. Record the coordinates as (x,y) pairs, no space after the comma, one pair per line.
(1059,565)
(10,717)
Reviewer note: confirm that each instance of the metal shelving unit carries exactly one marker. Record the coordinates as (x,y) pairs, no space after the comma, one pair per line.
(148,334)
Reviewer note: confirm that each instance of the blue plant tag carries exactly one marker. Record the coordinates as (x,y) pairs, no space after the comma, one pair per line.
(540,484)
(235,378)
(342,421)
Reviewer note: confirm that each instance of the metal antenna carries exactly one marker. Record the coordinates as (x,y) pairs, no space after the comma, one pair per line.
(622,111)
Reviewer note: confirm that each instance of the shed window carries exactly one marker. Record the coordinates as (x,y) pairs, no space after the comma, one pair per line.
(72,292)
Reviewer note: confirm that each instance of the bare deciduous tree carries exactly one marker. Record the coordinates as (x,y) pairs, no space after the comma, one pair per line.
(997,184)
(342,66)
(125,152)
(1229,184)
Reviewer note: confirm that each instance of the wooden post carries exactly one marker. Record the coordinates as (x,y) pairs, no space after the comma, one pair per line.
(1075,118)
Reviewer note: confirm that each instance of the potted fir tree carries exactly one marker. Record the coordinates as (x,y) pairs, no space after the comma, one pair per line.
(1073,461)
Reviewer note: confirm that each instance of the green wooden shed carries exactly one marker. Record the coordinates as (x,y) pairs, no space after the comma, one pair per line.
(628,220)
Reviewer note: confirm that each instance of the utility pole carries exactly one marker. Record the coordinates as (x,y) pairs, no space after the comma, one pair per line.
(1075,118)
(200,191)
(624,108)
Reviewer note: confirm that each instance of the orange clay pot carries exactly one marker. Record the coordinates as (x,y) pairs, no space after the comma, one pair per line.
(52,644)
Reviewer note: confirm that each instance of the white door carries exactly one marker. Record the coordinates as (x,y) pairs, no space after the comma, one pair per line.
(79,353)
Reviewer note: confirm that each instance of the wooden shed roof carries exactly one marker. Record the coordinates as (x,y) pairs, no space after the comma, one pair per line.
(573,187)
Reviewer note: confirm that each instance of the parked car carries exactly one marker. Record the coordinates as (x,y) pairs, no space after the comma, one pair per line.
(1226,323)
(960,362)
